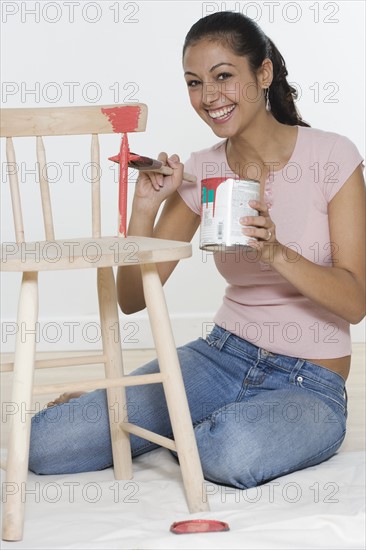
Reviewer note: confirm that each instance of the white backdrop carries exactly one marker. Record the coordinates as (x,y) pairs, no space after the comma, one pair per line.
(83,53)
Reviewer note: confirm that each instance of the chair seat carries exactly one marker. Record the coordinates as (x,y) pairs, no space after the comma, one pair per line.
(90,252)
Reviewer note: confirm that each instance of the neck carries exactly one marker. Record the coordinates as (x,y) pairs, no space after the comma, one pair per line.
(257,143)
(267,143)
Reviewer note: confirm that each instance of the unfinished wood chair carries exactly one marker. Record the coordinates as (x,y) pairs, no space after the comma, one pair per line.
(115,251)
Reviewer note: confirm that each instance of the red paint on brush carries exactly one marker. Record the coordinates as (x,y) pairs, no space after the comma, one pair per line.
(123,179)
(123,118)
(131,157)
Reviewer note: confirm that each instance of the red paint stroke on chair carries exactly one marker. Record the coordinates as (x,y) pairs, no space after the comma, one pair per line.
(123,118)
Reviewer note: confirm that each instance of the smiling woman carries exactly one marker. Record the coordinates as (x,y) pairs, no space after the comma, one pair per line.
(302,275)
(252,68)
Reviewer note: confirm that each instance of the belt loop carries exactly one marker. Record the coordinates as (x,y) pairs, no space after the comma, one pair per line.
(294,375)
(221,341)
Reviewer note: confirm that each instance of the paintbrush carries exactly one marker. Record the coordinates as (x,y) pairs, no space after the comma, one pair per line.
(146,164)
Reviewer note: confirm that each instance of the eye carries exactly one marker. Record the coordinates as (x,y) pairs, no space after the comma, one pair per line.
(224,76)
(193,83)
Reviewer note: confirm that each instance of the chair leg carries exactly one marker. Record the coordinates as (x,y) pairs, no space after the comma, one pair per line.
(117,404)
(174,390)
(21,401)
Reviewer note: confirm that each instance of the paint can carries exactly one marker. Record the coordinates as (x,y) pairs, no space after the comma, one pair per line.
(223,202)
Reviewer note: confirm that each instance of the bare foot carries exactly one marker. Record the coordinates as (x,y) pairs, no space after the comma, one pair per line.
(65,398)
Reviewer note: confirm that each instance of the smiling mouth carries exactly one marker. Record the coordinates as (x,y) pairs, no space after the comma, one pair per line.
(220,114)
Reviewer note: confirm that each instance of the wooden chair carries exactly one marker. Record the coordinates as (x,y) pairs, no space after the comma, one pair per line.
(115,251)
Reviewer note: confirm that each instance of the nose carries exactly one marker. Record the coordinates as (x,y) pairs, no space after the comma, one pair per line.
(210,93)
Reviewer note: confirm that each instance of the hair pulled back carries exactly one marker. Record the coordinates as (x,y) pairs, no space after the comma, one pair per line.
(245,38)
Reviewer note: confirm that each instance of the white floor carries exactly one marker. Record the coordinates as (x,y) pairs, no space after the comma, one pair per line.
(317,508)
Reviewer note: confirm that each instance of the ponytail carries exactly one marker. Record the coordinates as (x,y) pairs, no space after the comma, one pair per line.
(245,38)
(282,95)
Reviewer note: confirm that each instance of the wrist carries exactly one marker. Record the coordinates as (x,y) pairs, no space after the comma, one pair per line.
(142,220)
(142,206)
(283,255)
(144,209)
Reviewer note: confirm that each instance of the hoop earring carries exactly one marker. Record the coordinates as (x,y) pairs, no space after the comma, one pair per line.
(266,97)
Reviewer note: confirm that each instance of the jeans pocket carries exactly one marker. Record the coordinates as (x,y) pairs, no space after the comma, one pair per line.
(325,392)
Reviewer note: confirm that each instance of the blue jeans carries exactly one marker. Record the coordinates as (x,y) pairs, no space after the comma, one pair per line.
(256,415)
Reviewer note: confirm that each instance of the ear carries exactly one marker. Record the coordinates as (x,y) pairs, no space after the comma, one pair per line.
(265,73)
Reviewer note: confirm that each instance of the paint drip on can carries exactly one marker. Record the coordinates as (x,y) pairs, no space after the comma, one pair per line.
(223,202)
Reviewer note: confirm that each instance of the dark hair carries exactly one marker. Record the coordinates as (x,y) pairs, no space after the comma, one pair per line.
(246,38)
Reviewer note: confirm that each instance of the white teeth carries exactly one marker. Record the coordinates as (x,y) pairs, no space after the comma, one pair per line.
(221,112)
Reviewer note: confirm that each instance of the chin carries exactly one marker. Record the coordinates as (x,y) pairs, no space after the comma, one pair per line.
(222,132)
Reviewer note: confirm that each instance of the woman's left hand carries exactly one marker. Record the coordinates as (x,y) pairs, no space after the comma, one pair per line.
(263,229)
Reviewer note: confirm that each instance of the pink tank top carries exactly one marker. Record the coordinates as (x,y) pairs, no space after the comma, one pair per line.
(260,305)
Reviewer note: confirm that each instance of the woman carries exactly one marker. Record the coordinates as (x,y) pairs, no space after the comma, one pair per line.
(272,400)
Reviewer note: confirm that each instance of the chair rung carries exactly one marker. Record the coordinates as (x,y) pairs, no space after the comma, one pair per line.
(82,385)
(150,436)
(61,362)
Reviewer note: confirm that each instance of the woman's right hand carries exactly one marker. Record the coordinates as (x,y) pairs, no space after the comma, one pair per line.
(152,188)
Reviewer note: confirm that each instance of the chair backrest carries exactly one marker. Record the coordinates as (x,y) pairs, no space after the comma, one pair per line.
(63,121)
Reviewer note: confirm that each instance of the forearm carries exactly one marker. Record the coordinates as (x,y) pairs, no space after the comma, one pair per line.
(334,288)
(129,281)
(143,224)
(177,222)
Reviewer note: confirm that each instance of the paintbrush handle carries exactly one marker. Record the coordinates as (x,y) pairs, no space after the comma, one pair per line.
(167,171)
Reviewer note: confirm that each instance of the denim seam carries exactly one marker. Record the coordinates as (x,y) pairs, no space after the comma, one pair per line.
(244,386)
(141,449)
(276,366)
(342,406)
(266,360)
(205,419)
(238,351)
(337,393)
(337,375)
(211,342)
(338,442)
(331,388)
(221,342)
(107,465)
(242,392)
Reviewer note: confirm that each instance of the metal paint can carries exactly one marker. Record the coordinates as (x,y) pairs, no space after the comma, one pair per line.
(223,202)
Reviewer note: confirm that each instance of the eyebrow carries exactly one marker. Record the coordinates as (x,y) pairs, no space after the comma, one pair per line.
(212,68)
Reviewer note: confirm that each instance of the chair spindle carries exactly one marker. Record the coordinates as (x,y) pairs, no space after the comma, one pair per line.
(45,190)
(95,172)
(14,190)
